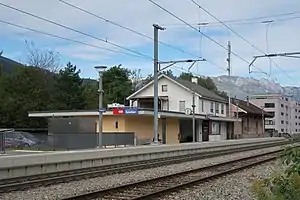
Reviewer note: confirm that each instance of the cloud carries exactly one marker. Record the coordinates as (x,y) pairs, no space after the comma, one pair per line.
(140,15)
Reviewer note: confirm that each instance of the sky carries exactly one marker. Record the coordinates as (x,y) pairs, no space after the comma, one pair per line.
(180,40)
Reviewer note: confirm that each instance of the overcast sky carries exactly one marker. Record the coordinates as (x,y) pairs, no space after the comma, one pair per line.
(141,14)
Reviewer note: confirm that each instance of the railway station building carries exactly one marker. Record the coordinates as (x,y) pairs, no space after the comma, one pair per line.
(134,123)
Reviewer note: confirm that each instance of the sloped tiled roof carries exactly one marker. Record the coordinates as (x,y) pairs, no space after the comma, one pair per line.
(205,93)
(251,108)
(201,90)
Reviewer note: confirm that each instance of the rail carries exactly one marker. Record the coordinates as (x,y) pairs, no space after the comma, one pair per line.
(157,187)
(23,183)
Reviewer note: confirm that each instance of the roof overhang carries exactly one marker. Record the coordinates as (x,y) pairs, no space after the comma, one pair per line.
(150,97)
(6,129)
(161,114)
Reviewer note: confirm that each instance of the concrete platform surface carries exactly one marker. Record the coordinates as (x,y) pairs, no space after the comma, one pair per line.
(82,155)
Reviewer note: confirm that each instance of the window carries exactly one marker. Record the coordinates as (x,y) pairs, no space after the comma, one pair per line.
(281,105)
(216,128)
(222,108)
(269,105)
(286,122)
(295,117)
(296,130)
(270,122)
(164,88)
(282,130)
(202,106)
(296,110)
(296,123)
(181,106)
(211,107)
(282,114)
(217,107)
(286,99)
(271,113)
(282,122)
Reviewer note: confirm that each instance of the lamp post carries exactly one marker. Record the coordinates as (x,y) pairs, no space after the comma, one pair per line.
(100,70)
(194,121)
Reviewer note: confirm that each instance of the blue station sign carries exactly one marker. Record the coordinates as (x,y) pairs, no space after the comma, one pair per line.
(131,111)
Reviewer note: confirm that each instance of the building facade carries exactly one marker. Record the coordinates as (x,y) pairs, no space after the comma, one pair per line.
(286,112)
(252,119)
(176,95)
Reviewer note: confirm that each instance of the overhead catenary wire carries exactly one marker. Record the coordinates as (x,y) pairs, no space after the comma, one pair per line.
(205,35)
(77,31)
(121,26)
(68,39)
(240,36)
(245,21)
(135,31)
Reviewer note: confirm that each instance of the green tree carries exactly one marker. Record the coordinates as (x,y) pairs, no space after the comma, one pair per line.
(205,82)
(116,85)
(285,184)
(69,91)
(169,73)
(90,92)
(25,89)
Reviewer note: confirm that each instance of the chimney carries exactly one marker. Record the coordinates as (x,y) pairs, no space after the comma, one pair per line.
(247,100)
(195,80)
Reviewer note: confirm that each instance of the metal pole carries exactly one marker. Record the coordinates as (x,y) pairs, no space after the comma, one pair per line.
(229,74)
(155,84)
(155,74)
(100,109)
(194,122)
(263,121)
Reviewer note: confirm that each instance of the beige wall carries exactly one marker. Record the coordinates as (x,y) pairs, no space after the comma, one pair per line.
(143,128)
(109,123)
(141,125)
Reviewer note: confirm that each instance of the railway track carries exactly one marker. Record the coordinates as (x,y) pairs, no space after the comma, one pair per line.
(23,183)
(156,187)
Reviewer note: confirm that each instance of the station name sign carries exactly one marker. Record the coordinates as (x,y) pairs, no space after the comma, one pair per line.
(126,111)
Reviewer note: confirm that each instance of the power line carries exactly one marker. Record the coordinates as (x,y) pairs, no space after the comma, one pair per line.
(205,35)
(68,39)
(121,26)
(134,31)
(240,36)
(77,31)
(246,20)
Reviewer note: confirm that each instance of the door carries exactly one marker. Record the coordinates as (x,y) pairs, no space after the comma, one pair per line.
(205,130)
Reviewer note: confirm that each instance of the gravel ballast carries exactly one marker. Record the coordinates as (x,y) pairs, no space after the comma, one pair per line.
(230,187)
(77,187)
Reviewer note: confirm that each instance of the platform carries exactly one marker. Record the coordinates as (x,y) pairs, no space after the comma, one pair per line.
(22,165)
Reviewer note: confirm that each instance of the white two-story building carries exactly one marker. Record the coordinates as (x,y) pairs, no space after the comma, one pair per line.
(285,110)
(176,95)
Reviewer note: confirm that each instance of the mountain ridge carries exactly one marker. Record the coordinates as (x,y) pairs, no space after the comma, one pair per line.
(241,87)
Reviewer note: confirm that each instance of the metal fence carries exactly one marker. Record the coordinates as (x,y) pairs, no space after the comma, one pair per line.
(62,141)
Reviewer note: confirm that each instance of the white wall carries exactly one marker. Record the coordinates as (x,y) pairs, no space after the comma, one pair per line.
(288,110)
(176,93)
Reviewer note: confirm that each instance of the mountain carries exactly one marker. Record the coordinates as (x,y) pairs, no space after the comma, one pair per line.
(244,86)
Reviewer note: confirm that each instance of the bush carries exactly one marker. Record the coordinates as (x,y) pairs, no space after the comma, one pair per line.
(284,184)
